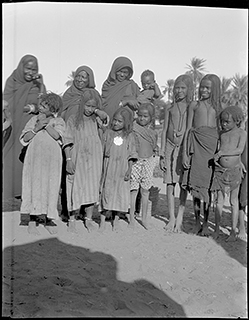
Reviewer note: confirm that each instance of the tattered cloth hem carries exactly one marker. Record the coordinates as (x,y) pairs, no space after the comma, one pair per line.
(199,192)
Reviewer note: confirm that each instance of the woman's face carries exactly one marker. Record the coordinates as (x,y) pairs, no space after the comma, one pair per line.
(122,74)
(81,81)
(30,69)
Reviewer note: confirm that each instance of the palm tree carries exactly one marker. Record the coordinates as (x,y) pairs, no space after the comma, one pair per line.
(225,90)
(71,79)
(239,91)
(196,67)
(168,89)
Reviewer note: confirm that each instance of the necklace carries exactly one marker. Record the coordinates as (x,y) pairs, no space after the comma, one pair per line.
(178,133)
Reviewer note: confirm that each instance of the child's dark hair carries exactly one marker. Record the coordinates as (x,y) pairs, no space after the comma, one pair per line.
(215,96)
(150,107)
(87,94)
(147,73)
(127,115)
(53,100)
(236,113)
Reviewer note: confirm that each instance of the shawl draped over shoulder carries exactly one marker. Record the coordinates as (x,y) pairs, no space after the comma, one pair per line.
(147,134)
(17,92)
(72,96)
(114,91)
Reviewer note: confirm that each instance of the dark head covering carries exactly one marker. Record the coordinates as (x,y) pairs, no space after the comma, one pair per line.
(112,90)
(72,97)
(189,83)
(215,97)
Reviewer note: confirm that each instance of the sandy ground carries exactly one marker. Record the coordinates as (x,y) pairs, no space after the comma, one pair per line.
(139,273)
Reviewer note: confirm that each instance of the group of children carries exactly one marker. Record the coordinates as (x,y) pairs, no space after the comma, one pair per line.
(201,146)
(108,162)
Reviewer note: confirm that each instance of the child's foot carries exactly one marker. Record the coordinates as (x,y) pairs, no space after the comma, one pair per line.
(116,226)
(89,224)
(232,237)
(216,234)
(197,228)
(72,226)
(170,226)
(102,227)
(145,223)
(32,228)
(242,235)
(50,226)
(131,224)
(204,232)
(178,228)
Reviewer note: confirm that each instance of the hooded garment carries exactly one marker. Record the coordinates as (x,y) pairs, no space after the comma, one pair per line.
(114,91)
(18,93)
(72,97)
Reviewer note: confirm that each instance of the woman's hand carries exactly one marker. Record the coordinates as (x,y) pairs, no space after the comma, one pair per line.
(38,79)
(103,116)
(41,124)
(70,167)
(133,104)
(162,164)
(127,175)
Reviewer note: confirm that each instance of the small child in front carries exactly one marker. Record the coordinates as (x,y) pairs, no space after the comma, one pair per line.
(228,171)
(119,155)
(42,166)
(175,123)
(142,169)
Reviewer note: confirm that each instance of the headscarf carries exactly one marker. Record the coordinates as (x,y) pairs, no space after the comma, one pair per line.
(113,90)
(72,97)
(189,83)
(215,97)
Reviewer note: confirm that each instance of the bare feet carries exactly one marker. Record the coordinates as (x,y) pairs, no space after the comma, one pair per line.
(102,227)
(50,226)
(170,226)
(89,224)
(178,228)
(204,232)
(32,228)
(72,226)
(216,234)
(197,228)
(242,235)
(145,223)
(131,224)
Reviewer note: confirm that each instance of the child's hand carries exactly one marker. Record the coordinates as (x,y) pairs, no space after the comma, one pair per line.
(40,124)
(70,168)
(185,162)
(103,116)
(127,175)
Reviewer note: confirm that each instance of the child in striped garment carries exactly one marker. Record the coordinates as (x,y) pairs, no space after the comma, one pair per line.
(84,155)
(119,154)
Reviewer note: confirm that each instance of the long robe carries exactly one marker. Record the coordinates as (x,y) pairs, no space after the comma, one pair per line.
(114,91)
(18,93)
(201,148)
(42,170)
(115,191)
(87,154)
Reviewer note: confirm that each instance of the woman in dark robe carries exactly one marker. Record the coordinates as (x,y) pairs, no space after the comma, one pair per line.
(118,89)
(21,92)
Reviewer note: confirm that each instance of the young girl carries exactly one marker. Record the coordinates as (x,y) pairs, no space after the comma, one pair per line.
(119,154)
(84,154)
(42,163)
(142,170)
(229,169)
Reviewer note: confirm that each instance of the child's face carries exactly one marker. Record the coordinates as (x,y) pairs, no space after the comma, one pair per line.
(30,69)
(143,117)
(122,74)
(118,122)
(227,122)
(180,91)
(89,108)
(147,82)
(81,81)
(44,108)
(205,89)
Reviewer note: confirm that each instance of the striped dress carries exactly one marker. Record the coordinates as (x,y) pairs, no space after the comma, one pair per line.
(115,191)
(87,155)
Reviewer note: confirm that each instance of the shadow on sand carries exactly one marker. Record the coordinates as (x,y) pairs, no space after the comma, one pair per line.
(49,278)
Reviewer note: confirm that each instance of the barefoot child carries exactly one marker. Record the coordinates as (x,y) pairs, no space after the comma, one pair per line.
(84,154)
(42,163)
(151,90)
(142,169)
(199,145)
(228,171)
(174,128)
(119,154)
